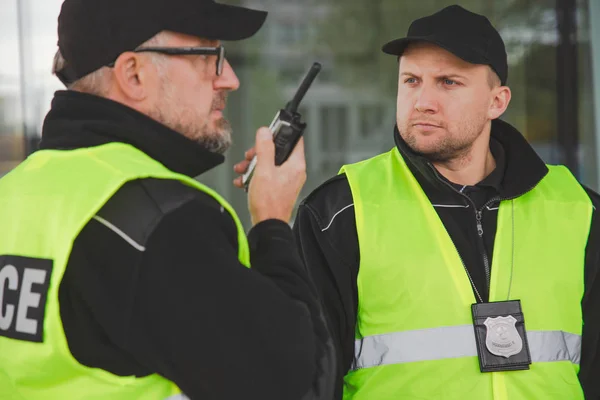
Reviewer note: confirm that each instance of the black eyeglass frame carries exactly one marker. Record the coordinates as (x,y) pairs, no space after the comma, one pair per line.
(218,51)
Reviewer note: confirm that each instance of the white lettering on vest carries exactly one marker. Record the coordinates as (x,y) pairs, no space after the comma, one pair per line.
(9,278)
(24,284)
(29,299)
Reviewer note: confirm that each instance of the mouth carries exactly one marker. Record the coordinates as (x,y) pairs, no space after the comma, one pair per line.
(217,113)
(425,124)
(219,103)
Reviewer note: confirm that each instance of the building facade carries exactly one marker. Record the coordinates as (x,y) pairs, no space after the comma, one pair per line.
(554,74)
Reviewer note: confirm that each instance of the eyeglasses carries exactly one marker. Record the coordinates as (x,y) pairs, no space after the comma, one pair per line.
(184,51)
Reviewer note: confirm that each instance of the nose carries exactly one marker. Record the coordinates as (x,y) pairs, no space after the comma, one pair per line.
(427,102)
(228,80)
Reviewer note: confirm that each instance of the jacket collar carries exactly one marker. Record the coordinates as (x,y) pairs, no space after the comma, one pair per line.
(523,168)
(79,120)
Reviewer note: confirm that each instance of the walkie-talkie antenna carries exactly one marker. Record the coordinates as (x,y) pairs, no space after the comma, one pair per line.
(292,106)
(287,126)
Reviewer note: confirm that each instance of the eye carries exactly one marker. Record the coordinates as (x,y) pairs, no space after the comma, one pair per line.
(450,82)
(202,60)
(411,80)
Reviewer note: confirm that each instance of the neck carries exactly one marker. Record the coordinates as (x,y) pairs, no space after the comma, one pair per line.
(472,167)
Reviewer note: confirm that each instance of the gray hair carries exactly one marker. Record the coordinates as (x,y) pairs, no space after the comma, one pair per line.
(98,81)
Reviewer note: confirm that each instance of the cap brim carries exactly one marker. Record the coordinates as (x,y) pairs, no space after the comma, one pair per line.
(222,22)
(397,47)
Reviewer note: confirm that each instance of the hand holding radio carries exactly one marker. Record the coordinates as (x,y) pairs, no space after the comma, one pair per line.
(287,126)
(274,171)
(275,189)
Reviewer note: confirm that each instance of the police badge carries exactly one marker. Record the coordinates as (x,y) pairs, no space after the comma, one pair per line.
(500,336)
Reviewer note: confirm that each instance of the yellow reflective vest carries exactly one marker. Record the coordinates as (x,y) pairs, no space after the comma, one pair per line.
(414,331)
(44,204)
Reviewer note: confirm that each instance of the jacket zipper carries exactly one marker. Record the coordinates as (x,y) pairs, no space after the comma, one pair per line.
(479,224)
(481,243)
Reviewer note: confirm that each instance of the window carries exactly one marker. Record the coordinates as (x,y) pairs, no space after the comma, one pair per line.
(350,108)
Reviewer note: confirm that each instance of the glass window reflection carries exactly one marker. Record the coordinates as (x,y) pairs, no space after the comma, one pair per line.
(350,110)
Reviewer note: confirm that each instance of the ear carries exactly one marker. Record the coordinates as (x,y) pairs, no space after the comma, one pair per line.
(501,98)
(133,75)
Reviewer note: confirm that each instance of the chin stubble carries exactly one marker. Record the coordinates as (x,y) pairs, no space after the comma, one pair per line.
(444,151)
(215,137)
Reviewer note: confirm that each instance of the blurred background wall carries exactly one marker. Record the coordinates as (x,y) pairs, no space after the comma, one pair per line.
(554,73)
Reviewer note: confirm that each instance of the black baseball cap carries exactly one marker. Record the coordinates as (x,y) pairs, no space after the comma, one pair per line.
(467,35)
(93,33)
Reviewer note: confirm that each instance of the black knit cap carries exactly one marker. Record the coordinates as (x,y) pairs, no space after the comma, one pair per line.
(465,34)
(93,33)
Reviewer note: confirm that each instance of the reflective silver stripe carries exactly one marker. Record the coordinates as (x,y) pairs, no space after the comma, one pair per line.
(335,215)
(554,346)
(119,232)
(455,342)
(179,396)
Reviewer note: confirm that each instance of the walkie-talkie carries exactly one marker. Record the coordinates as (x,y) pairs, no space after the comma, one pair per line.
(287,126)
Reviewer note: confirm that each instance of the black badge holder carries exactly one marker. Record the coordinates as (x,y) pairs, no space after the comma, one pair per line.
(287,126)
(501,336)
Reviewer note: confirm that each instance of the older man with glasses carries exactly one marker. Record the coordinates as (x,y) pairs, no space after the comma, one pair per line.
(121,276)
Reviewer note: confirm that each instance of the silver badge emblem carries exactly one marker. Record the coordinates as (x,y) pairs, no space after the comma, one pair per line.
(502,338)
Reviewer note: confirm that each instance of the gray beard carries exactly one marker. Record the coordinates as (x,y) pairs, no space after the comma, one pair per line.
(185,122)
(217,142)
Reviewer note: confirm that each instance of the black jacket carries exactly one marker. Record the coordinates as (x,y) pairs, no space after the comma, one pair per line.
(326,232)
(159,288)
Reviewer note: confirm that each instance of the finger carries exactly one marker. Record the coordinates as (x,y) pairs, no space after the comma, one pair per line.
(249,154)
(241,167)
(298,152)
(265,148)
(237,182)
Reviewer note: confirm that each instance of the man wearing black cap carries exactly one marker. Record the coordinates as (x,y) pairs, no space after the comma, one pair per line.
(457,265)
(121,276)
